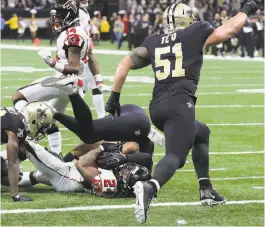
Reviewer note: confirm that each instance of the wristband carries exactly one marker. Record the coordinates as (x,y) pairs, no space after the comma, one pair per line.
(101,147)
(98,78)
(246,9)
(59,67)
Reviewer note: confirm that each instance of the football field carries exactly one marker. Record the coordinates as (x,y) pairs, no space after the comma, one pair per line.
(230,101)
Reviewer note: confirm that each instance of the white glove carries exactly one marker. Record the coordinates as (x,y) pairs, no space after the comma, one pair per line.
(46,55)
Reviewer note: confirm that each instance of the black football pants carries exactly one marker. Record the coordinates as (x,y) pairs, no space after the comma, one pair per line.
(175,116)
(132,125)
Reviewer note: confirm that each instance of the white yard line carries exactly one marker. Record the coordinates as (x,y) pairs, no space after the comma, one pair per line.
(258,187)
(123,206)
(238,178)
(226,153)
(121,52)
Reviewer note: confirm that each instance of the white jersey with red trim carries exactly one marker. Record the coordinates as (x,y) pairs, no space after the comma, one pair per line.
(73,37)
(84,19)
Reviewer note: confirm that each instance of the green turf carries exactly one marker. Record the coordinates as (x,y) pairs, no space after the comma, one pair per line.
(216,76)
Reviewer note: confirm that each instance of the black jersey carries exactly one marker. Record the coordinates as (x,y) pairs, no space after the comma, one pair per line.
(11,120)
(177,59)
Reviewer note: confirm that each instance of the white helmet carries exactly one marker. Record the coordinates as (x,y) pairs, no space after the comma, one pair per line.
(38,117)
(177,16)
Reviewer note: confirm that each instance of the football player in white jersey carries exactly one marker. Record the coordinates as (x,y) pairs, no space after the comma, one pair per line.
(72,58)
(86,175)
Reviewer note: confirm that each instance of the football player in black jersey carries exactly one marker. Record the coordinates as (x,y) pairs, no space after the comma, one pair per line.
(176,58)
(15,127)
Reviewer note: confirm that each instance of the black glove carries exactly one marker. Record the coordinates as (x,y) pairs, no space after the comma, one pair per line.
(19,198)
(112,160)
(249,8)
(113,104)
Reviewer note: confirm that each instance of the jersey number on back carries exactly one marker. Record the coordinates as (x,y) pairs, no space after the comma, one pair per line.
(167,69)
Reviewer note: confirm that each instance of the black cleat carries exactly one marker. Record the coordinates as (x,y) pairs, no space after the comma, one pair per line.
(209,197)
(144,195)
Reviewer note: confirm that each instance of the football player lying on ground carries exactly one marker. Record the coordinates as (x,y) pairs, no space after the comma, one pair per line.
(100,171)
(131,116)
(15,127)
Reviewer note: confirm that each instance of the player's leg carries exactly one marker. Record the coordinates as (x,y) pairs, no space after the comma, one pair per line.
(32,178)
(179,128)
(97,96)
(200,157)
(60,174)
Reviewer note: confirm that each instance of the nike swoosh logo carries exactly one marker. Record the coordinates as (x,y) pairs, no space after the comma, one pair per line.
(213,196)
(70,83)
(118,160)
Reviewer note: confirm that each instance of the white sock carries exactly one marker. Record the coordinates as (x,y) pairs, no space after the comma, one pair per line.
(157,137)
(98,101)
(55,144)
(25,181)
(98,78)
(40,178)
(20,105)
(156,183)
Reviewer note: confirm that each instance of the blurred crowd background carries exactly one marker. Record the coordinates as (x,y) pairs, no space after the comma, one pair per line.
(126,23)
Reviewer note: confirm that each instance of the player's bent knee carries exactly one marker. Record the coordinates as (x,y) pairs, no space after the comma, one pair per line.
(18,96)
(182,161)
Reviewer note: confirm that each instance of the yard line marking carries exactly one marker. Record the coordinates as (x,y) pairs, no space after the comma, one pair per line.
(258,187)
(252,91)
(122,52)
(122,206)
(238,178)
(226,153)
(192,170)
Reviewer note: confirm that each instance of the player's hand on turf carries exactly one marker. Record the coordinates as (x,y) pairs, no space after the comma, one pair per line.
(250,7)
(113,160)
(19,198)
(47,57)
(113,105)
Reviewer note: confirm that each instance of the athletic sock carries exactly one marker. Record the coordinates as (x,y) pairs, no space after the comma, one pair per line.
(20,105)
(157,137)
(54,139)
(205,183)
(98,101)
(70,157)
(155,185)
(40,178)
(27,180)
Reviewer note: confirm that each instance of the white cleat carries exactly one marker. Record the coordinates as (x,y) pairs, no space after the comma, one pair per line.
(103,88)
(69,84)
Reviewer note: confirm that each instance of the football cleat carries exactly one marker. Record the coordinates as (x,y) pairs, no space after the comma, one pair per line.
(69,84)
(209,197)
(103,88)
(144,195)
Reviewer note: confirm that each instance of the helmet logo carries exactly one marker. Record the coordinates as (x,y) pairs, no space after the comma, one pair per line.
(41,114)
(70,4)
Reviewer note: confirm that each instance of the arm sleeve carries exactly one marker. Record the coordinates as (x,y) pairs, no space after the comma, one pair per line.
(142,159)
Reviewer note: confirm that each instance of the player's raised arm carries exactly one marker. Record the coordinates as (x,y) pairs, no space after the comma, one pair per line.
(137,59)
(232,26)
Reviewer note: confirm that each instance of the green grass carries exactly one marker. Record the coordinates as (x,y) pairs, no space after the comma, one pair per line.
(216,76)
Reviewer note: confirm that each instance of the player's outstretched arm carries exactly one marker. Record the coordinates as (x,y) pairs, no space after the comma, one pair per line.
(13,166)
(137,59)
(232,26)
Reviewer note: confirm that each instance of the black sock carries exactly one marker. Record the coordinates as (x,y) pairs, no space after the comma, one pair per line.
(205,183)
(32,178)
(69,157)
(96,91)
(154,187)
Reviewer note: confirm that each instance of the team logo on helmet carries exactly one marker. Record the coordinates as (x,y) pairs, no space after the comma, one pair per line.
(41,114)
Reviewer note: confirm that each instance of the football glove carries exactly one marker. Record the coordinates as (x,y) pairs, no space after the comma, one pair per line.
(19,198)
(111,160)
(113,105)
(46,56)
(249,8)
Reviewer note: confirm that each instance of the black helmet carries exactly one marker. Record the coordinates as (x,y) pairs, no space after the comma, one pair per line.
(128,174)
(64,14)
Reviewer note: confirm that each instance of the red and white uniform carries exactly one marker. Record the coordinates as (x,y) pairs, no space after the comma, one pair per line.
(65,177)
(72,37)
(84,20)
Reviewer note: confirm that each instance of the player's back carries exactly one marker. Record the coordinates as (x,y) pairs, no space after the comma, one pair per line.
(177,59)
(12,121)
(73,37)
